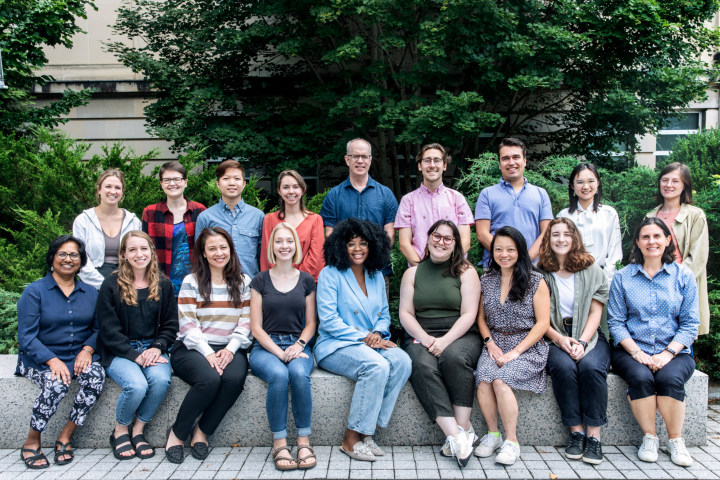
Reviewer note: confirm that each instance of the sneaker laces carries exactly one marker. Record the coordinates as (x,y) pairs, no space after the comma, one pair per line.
(650,444)
(508,448)
(488,440)
(679,446)
(593,444)
(451,444)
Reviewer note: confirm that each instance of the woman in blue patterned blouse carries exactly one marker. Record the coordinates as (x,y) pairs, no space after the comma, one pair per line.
(653,316)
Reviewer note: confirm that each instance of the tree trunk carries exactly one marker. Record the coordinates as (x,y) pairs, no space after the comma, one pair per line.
(395,164)
(408,168)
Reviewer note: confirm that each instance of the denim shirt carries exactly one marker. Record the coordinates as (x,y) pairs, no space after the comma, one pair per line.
(654,311)
(244,224)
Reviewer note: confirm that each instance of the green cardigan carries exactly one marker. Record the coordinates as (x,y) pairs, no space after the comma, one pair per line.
(590,284)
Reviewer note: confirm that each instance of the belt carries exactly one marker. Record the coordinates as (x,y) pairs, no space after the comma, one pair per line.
(567,321)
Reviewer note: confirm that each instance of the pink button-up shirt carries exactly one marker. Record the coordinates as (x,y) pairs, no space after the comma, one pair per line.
(421,208)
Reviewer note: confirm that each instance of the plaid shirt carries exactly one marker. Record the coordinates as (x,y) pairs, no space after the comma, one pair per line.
(157,221)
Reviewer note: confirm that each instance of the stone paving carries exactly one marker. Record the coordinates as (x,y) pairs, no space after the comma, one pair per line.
(398,463)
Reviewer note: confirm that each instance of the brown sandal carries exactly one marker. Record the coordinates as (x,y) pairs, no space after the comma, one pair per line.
(312,455)
(275,454)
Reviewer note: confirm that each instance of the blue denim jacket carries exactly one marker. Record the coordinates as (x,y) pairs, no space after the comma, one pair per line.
(244,224)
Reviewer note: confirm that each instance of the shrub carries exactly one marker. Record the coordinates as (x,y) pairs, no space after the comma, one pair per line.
(8,322)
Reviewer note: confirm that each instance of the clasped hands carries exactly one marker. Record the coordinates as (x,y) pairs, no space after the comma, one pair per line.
(498,356)
(150,358)
(656,362)
(220,359)
(292,352)
(573,348)
(435,346)
(373,340)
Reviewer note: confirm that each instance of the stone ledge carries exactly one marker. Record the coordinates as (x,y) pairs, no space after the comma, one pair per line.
(246,423)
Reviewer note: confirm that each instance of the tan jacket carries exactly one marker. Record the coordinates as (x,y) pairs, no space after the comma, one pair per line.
(691,231)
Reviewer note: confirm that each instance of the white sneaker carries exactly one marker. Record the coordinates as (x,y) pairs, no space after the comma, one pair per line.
(649,448)
(488,444)
(464,448)
(451,447)
(678,453)
(445,450)
(474,439)
(508,453)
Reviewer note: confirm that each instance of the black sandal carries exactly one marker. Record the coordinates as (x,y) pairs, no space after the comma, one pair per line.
(175,454)
(62,452)
(139,449)
(114,442)
(30,461)
(200,450)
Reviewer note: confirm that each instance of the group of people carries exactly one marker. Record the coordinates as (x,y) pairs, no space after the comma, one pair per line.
(193,290)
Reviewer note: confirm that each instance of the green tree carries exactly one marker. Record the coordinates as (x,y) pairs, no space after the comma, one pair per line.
(26,27)
(287,82)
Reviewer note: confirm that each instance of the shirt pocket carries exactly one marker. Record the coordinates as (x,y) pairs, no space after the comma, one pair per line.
(249,238)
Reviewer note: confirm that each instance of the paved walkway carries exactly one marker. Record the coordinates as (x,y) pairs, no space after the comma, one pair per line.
(399,462)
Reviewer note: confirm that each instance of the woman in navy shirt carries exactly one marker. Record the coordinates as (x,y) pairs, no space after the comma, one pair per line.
(57,331)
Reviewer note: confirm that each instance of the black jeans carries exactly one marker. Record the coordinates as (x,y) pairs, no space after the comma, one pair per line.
(669,381)
(580,388)
(210,394)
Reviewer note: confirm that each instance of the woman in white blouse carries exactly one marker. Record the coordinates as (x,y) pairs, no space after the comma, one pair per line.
(598,224)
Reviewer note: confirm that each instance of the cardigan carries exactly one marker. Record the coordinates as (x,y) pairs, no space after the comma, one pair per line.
(52,325)
(113,321)
(590,284)
(691,230)
(346,315)
(311,234)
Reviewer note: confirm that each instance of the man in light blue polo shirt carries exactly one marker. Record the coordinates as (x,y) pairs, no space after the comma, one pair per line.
(512,202)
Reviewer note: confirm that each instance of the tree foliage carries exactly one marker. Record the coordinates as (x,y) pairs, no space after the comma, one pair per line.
(287,82)
(26,27)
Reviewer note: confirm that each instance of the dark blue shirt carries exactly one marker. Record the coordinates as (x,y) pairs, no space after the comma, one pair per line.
(52,325)
(376,203)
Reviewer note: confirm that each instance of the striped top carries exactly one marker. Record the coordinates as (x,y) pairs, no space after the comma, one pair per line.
(218,323)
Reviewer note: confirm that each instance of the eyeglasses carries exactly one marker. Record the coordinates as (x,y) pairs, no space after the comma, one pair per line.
(666,181)
(434,161)
(364,158)
(581,183)
(355,245)
(168,181)
(73,256)
(437,238)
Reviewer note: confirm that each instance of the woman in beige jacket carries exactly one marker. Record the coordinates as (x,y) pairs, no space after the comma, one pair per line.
(689,229)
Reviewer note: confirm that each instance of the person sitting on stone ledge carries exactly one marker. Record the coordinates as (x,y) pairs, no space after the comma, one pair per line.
(438,308)
(654,315)
(57,334)
(282,317)
(210,353)
(138,320)
(354,333)
(513,317)
(579,356)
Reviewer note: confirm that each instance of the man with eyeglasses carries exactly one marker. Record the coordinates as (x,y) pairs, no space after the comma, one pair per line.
(171,224)
(513,202)
(433,201)
(361,197)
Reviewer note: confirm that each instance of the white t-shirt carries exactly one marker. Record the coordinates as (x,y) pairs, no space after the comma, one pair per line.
(566,290)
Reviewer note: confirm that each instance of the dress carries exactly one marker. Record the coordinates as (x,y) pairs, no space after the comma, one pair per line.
(514,320)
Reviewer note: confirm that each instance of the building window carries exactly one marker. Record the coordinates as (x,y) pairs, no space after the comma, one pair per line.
(678,128)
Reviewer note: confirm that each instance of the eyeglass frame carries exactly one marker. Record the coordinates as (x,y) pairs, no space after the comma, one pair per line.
(175,180)
(427,161)
(65,255)
(443,238)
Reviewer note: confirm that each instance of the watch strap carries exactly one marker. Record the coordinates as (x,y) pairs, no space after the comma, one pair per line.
(674,353)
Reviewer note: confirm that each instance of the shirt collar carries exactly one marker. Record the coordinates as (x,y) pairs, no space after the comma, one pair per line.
(239,206)
(426,191)
(504,183)
(639,269)
(164,208)
(51,283)
(370,184)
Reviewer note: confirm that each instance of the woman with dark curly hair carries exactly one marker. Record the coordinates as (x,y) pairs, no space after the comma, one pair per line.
(579,356)
(653,315)
(354,331)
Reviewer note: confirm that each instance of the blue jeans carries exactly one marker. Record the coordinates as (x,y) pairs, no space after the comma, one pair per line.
(143,389)
(278,376)
(379,376)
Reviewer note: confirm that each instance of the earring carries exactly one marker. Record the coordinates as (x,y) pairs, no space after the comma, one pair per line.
(52,269)
(452,258)
(427,251)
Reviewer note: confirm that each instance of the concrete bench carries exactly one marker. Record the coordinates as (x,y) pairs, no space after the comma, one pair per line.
(246,424)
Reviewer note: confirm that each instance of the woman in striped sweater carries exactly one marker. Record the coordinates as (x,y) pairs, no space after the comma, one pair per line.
(210,353)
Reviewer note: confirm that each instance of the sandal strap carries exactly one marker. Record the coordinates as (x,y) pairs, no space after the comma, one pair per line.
(140,438)
(121,439)
(280,449)
(30,461)
(310,455)
(124,448)
(63,448)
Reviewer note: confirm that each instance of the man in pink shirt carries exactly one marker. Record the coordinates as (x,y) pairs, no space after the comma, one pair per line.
(433,201)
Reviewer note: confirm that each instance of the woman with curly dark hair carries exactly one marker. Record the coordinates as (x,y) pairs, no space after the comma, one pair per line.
(354,336)
(579,356)
(653,315)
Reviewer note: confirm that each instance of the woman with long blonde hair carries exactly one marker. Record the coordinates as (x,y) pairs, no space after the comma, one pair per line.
(138,321)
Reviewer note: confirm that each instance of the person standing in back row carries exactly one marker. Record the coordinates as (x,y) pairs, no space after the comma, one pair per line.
(433,201)
(513,202)
(361,197)
(243,222)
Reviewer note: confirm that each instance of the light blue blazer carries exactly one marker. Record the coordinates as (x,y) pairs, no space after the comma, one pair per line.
(346,314)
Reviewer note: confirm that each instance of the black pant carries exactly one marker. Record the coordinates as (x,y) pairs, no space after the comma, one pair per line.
(580,388)
(669,381)
(211,394)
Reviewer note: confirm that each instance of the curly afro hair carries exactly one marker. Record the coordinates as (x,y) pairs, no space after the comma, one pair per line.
(336,254)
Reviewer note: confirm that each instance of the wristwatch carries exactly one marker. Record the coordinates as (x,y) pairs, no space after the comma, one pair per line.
(674,353)
(301,342)
(488,339)
(584,344)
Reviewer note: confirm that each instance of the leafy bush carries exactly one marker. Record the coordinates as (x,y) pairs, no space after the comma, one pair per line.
(8,322)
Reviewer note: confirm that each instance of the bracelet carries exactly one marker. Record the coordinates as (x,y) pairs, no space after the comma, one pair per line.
(88,351)
(632,355)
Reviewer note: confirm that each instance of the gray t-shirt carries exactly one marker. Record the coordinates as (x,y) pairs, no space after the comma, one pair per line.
(283,313)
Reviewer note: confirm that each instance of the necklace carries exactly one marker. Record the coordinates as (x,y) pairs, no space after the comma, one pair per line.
(667,214)
(280,276)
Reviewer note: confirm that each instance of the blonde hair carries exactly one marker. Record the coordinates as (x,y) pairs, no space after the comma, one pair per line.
(297,258)
(126,277)
(111,172)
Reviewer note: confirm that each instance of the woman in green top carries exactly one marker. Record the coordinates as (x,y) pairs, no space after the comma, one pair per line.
(579,356)
(438,305)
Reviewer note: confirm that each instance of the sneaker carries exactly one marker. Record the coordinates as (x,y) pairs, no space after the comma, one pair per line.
(508,453)
(648,449)
(678,453)
(445,450)
(592,453)
(451,447)
(372,446)
(474,439)
(488,444)
(464,448)
(576,446)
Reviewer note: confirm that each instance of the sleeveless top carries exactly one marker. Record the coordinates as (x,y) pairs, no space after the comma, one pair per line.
(436,296)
